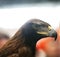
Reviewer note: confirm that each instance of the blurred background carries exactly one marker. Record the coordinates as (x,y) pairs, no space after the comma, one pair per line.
(14,13)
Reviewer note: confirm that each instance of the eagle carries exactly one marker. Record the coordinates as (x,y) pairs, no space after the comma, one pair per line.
(23,43)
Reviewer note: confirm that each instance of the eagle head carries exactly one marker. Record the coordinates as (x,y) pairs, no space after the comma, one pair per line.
(36,29)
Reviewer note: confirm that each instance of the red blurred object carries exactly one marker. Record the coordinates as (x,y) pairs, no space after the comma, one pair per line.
(41,44)
(44,43)
(48,45)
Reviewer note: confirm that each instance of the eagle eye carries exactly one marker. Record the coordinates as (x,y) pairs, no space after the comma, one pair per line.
(49,27)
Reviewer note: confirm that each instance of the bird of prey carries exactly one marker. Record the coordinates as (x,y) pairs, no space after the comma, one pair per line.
(23,43)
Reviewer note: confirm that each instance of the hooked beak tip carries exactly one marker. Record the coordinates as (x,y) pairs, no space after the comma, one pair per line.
(54,34)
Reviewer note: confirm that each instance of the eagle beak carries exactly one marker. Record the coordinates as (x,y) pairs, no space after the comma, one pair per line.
(52,33)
